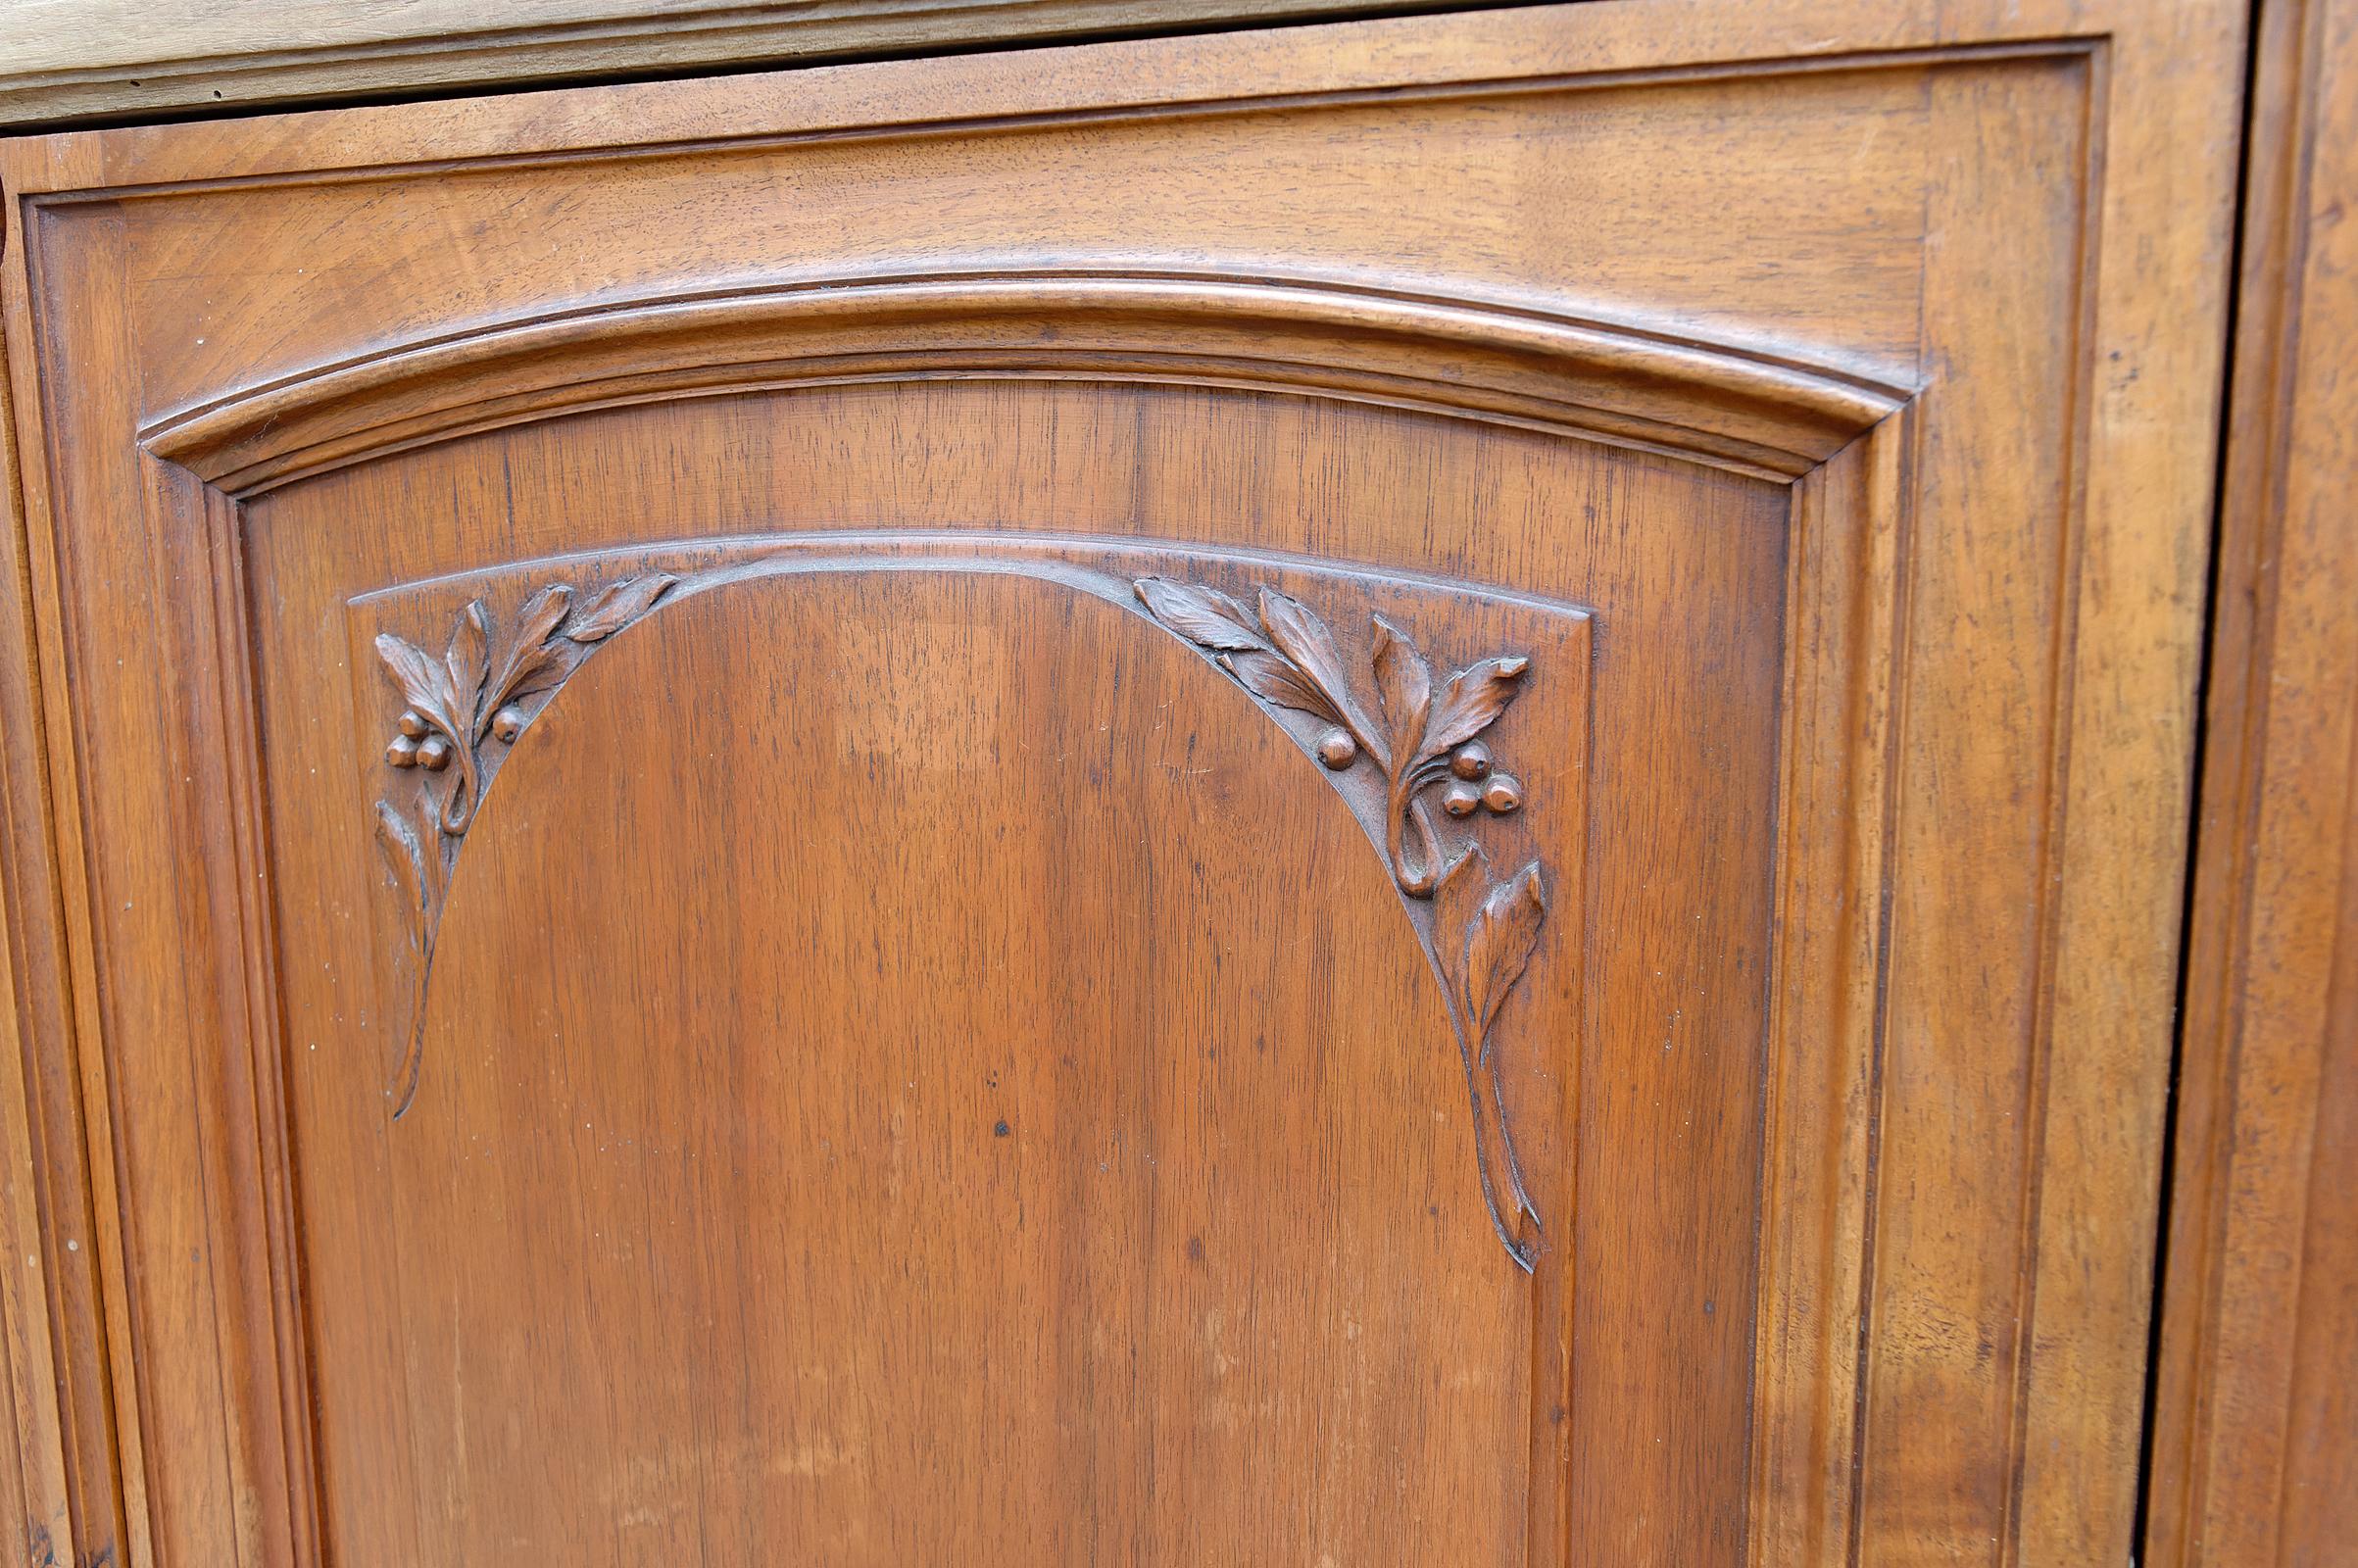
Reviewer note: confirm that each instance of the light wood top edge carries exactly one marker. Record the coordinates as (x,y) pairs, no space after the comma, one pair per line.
(1586,38)
(93,65)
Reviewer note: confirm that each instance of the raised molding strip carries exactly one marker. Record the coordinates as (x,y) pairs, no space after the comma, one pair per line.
(1473,360)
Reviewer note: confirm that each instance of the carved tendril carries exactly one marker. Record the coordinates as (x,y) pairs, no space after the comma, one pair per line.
(463,713)
(1478,935)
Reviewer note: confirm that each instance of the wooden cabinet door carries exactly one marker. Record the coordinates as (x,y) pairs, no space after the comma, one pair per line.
(1396,794)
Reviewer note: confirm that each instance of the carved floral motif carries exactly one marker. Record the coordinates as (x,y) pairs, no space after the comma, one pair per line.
(463,712)
(1478,934)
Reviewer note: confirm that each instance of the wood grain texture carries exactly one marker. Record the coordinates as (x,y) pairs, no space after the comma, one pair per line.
(69,60)
(1002,1109)
(2255,1450)
(1824,359)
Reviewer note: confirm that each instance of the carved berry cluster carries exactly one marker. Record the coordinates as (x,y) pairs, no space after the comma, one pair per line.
(476,690)
(1476,785)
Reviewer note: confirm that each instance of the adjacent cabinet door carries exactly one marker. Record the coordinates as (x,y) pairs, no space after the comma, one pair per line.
(1401,793)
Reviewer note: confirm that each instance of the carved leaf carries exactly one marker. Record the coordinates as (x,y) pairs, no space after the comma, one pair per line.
(527,655)
(469,658)
(1470,700)
(405,860)
(617,604)
(1456,899)
(423,685)
(1270,677)
(543,669)
(1306,643)
(1505,931)
(1206,616)
(1405,686)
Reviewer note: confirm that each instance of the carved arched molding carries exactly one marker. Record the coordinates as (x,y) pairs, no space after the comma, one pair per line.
(1720,405)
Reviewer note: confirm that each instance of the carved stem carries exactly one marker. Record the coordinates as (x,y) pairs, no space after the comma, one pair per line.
(413,1057)
(459,806)
(1419,876)
(1506,1135)
(1518,1248)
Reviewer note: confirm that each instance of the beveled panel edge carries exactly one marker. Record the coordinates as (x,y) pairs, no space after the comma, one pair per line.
(1821,1161)
(1769,416)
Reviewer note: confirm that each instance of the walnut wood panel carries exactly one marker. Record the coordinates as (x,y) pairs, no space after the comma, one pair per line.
(1852,371)
(1073,465)
(2255,1448)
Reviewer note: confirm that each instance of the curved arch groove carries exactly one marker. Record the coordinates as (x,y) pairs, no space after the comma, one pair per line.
(1463,358)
